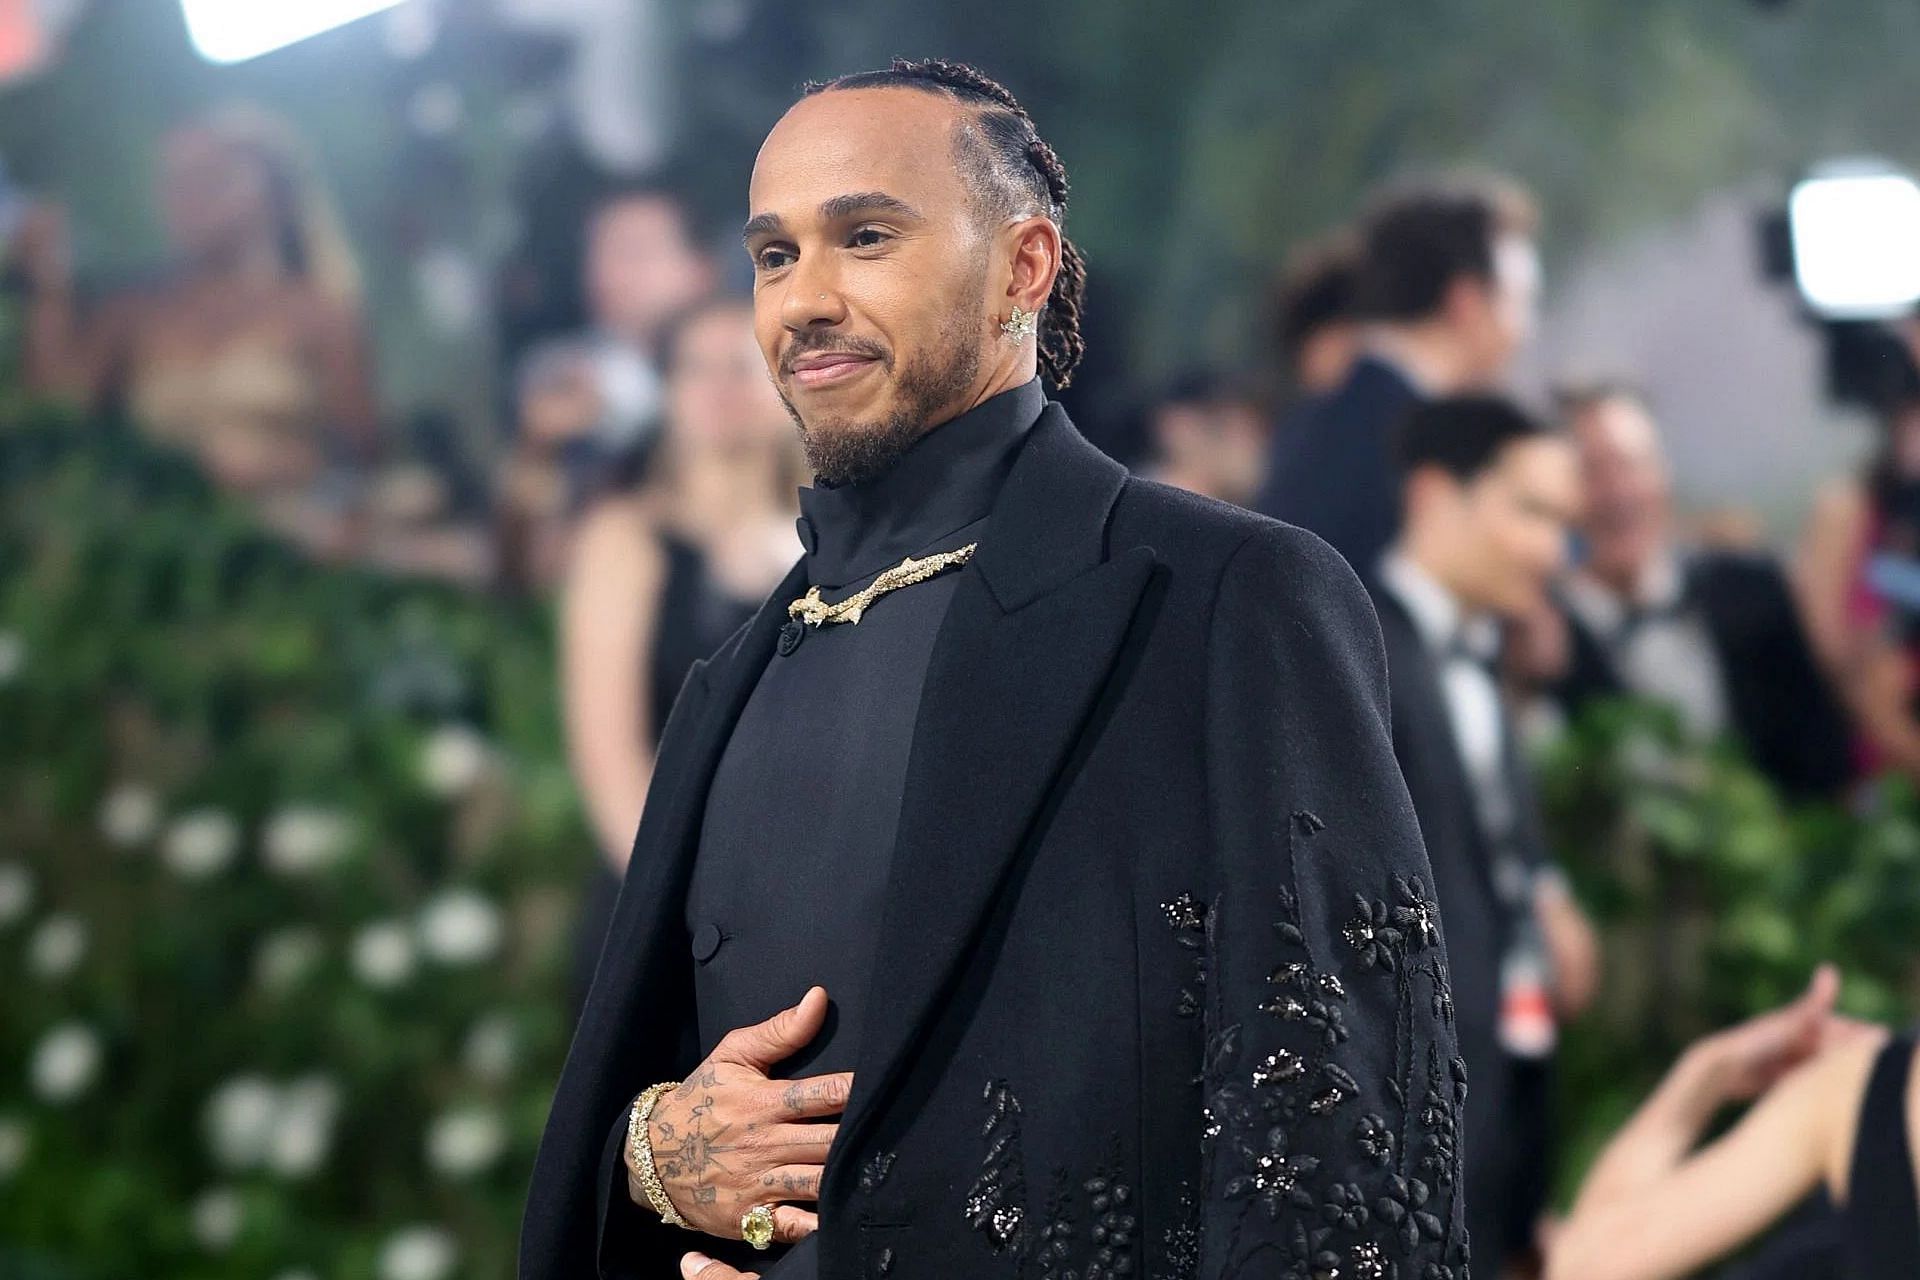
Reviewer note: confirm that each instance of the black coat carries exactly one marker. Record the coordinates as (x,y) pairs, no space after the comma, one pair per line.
(1332,468)
(1479,928)
(1159,978)
(1782,708)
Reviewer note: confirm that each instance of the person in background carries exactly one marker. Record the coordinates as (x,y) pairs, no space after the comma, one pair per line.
(1444,296)
(1313,316)
(1858,567)
(1489,496)
(1713,633)
(249,351)
(643,265)
(1836,1104)
(676,550)
(1209,437)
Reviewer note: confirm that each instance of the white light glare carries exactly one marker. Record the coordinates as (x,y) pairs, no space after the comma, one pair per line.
(1856,244)
(235,30)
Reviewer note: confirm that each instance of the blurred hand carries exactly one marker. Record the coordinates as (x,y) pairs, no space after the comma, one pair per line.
(1745,1060)
(698,1266)
(1573,948)
(729,1138)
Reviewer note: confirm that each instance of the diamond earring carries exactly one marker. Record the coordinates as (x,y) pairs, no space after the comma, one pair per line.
(1021,324)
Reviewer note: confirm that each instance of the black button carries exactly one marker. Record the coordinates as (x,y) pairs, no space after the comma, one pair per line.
(706,941)
(791,635)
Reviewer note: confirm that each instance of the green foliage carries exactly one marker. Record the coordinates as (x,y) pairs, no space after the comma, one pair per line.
(1715,900)
(292,849)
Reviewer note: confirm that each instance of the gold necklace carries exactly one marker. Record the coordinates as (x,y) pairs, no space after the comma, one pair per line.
(815,612)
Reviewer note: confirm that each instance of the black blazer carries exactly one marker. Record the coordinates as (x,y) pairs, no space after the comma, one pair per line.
(1782,708)
(1332,468)
(1479,930)
(1160,978)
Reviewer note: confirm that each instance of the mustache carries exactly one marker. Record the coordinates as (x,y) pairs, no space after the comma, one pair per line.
(810,342)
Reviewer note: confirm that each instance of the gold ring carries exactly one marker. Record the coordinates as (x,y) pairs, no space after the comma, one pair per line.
(756,1226)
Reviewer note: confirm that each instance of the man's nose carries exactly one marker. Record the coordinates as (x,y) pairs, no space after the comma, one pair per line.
(813,298)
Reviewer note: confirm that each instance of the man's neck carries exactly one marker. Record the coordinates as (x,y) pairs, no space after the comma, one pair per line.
(1425,354)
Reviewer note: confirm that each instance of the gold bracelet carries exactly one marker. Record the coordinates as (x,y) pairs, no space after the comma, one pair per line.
(640,1155)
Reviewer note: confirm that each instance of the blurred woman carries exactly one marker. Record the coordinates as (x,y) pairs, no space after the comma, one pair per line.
(668,560)
(1838,1106)
(1859,579)
(248,353)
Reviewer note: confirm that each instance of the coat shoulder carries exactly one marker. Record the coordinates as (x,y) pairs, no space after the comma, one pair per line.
(1187,530)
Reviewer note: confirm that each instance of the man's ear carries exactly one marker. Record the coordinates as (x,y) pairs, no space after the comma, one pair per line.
(1034,257)
(1467,300)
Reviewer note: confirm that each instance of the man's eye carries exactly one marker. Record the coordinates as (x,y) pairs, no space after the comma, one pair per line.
(868,237)
(772,258)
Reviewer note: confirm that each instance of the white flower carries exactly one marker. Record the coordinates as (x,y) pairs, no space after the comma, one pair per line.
(382,954)
(286,956)
(453,760)
(460,926)
(303,839)
(58,946)
(15,1141)
(200,843)
(16,892)
(465,1142)
(240,1118)
(65,1062)
(416,1253)
(492,1048)
(303,1132)
(130,815)
(217,1217)
(13,655)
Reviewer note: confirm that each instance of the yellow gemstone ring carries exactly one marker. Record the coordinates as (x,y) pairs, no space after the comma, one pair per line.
(756,1226)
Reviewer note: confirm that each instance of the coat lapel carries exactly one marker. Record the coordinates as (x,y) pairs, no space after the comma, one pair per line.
(1025,649)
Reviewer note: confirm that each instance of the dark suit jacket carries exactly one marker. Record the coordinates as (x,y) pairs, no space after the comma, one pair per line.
(1782,708)
(1159,979)
(1479,930)
(1332,468)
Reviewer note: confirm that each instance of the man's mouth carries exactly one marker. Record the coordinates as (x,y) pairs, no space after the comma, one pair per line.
(824,368)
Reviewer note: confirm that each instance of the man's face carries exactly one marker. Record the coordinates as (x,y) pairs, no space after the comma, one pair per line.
(1503,311)
(1510,525)
(1224,444)
(1624,478)
(871,297)
(641,267)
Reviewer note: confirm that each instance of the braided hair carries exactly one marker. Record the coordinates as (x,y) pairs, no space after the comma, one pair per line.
(1012,173)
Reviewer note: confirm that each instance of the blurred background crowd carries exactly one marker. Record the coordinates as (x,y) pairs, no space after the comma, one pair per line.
(382,436)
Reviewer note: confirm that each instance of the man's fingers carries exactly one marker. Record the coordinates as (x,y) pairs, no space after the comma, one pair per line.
(698,1266)
(816,1096)
(791,1182)
(791,1225)
(797,1143)
(765,1044)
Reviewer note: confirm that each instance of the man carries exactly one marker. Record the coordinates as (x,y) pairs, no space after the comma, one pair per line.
(1209,438)
(1488,497)
(1445,297)
(1713,634)
(1090,828)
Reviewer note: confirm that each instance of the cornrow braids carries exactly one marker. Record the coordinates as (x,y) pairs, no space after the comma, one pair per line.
(1013,173)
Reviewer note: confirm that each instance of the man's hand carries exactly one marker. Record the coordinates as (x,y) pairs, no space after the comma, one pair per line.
(698,1266)
(729,1138)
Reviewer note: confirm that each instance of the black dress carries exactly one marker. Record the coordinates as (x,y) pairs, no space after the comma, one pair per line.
(696,617)
(1883,1205)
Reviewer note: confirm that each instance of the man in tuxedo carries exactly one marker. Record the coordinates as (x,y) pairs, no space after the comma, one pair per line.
(1489,494)
(1073,791)
(1713,634)
(1444,294)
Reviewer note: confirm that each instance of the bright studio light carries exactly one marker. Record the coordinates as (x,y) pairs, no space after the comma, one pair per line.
(235,30)
(1856,243)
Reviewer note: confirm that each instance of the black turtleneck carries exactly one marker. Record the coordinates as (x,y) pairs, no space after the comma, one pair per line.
(797,841)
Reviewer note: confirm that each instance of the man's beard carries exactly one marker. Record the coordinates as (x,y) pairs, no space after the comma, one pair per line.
(842,451)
